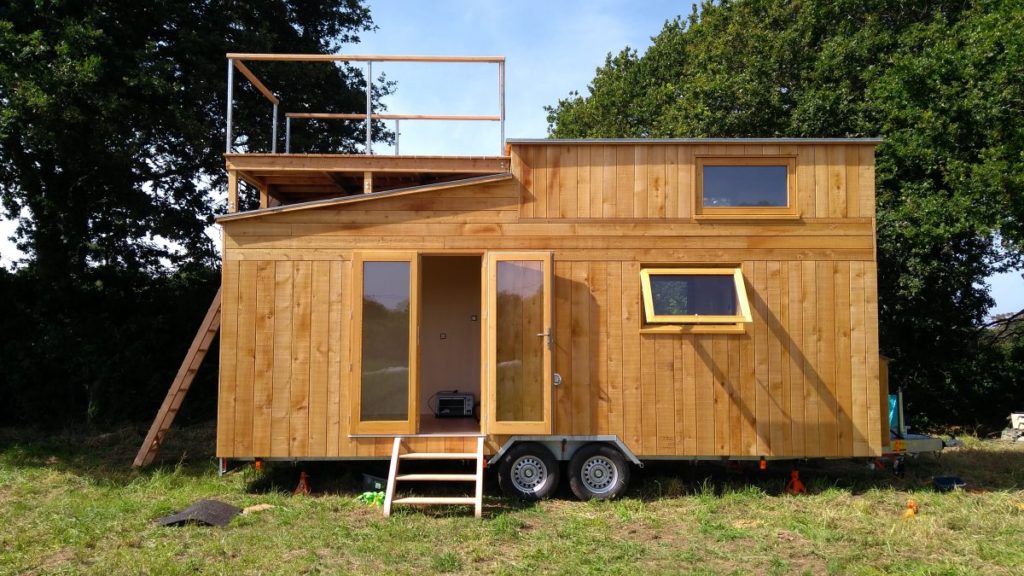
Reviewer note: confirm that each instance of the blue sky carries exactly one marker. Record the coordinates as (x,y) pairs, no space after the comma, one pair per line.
(551,47)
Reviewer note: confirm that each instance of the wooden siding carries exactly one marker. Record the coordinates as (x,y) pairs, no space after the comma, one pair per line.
(656,181)
(801,381)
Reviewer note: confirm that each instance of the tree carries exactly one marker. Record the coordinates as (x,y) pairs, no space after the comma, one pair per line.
(111,135)
(941,81)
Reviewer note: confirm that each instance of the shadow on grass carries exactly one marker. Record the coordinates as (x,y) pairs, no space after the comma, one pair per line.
(996,467)
(106,457)
(189,450)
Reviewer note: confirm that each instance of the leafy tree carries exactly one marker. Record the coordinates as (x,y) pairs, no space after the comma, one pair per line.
(941,81)
(111,136)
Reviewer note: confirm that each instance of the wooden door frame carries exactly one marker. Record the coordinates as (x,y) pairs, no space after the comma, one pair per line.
(489,423)
(411,425)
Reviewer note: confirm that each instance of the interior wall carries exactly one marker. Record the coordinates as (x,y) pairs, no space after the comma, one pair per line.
(450,320)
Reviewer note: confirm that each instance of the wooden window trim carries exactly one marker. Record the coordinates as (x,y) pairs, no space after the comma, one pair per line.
(737,328)
(410,425)
(691,323)
(789,212)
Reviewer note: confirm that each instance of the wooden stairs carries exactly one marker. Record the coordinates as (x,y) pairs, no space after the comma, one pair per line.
(394,477)
(179,387)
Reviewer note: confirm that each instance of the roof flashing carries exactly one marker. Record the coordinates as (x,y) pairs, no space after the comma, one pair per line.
(579,141)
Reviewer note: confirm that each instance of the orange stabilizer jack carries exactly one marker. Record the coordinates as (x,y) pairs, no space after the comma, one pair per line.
(795,486)
(303,487)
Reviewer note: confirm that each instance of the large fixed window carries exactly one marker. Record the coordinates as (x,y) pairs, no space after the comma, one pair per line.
(695,296)
(386,318)
(746,186)
(384,370)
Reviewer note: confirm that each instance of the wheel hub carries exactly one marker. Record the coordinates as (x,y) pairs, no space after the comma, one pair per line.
(529,474)
(599,474)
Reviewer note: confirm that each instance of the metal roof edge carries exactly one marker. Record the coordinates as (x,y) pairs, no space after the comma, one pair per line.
(566,141)
(326,202)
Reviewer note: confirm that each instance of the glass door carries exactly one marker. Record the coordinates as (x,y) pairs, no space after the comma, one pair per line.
(519,343)
(386,320)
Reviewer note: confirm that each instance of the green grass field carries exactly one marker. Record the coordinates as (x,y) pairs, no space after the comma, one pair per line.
(72,504)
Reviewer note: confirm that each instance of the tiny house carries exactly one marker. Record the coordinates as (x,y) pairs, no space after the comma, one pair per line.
(593,301)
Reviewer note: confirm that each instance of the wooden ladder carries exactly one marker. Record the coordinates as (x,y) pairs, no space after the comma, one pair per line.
(394,478)
(179,387)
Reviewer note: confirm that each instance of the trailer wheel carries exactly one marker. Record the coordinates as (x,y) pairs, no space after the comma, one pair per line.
(598,471)
(529,472)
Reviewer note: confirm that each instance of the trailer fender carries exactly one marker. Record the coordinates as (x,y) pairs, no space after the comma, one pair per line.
(563,447)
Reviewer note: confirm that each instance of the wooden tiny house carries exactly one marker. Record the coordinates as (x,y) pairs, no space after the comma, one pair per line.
(701,298)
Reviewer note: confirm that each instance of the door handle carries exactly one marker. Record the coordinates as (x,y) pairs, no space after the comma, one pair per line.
(546,333)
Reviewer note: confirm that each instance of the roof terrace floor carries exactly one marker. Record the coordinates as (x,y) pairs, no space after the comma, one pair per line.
(293,178)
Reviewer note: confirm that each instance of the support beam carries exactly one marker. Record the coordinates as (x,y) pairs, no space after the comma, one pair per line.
(256,82)
(273,133)
(287,134)
(367,182)
(229,137)
(362,163)
(232,191)
(501,104)
(369,107)
(358,58)
(339,116)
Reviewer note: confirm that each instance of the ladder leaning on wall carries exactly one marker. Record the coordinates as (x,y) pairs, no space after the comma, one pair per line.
(180,386)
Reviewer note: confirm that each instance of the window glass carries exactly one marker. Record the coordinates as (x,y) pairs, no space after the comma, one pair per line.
(385,361)
(745,187)
(694,296)
(519,310)
(685,295)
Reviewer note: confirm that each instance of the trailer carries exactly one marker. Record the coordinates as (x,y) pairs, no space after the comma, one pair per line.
(600,302)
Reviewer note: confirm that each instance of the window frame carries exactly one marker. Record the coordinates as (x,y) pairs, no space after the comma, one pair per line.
(790,211)
(656,321)
(410,425)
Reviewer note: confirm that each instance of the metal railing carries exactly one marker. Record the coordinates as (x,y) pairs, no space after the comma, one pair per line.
(237,61)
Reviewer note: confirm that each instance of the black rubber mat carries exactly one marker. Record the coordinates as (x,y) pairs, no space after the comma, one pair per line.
(206,512)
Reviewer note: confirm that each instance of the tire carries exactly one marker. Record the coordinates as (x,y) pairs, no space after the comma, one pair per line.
(598,471)
(529,472)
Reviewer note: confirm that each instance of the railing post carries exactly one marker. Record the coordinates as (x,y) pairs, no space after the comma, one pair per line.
(273,133)
(287,135)
(231,102)
(369,105)
(501,105)
(398,133)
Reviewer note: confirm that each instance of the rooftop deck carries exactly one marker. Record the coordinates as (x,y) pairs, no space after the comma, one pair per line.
(291,178)
(296,177)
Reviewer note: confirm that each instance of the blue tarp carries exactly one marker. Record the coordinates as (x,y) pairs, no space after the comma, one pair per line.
(894,415)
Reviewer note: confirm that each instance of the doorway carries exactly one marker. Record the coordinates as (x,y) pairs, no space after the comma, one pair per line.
(450,344)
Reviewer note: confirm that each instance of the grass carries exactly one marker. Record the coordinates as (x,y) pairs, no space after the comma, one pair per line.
(71,504)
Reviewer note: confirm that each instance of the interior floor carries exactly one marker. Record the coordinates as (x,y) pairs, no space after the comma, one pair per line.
(450,338)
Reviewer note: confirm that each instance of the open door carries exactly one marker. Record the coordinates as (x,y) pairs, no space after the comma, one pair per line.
(386,321)
(519,343)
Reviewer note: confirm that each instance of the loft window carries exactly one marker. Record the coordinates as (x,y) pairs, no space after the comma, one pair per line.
(695,296)
(732,186)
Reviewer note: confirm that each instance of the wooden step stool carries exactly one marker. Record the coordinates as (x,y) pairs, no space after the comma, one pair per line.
(394,478)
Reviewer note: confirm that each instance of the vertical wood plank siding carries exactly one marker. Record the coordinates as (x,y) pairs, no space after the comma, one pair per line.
(801,381)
